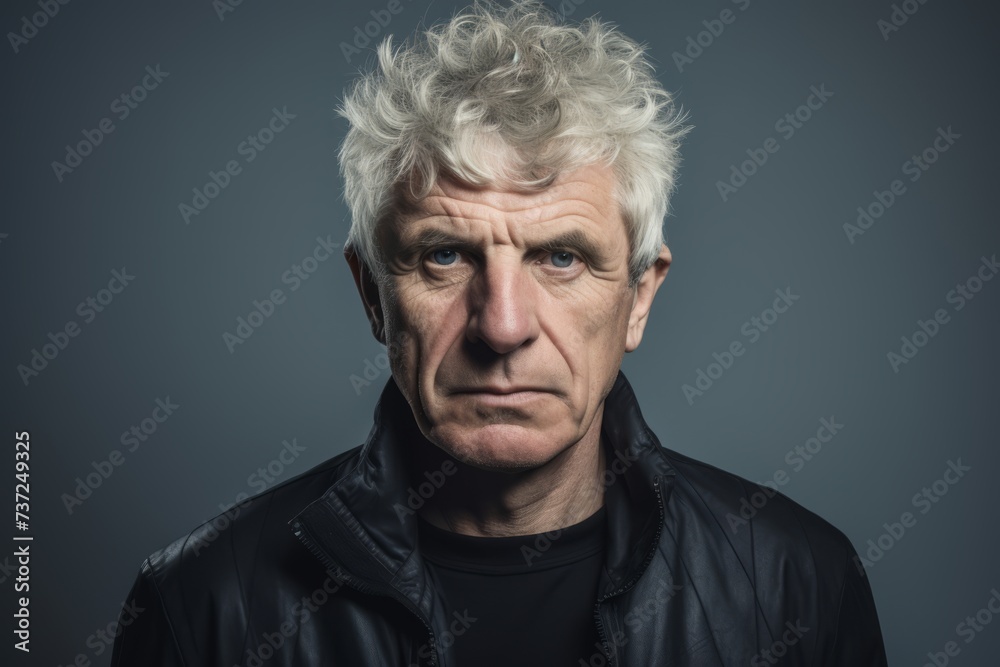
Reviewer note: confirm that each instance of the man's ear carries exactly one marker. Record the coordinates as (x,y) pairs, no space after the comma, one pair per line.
(369,291)
(643,298)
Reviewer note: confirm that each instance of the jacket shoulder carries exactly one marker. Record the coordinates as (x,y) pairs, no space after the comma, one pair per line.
(203,578)
(221,575)
(246,525)
(757,521)
(218,558)
(774,558)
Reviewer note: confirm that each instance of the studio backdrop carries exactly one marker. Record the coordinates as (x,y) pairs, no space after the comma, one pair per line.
(180,329)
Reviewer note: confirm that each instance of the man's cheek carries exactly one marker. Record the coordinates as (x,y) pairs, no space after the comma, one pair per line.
(400,350)
(600,321)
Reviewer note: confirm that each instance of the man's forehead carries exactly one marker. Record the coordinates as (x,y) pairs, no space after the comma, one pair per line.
(583,198)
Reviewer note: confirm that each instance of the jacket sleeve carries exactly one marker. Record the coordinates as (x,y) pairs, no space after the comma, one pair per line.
(146,637)
(858,642)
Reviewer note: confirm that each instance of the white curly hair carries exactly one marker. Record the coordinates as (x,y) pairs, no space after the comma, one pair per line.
(507,96)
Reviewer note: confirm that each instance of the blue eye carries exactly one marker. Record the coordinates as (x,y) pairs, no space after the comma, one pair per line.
(561,256)
(444,256)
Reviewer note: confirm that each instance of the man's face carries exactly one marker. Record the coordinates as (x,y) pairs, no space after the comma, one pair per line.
(508,314)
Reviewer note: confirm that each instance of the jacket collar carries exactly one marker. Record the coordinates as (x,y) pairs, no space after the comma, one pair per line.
(364,527)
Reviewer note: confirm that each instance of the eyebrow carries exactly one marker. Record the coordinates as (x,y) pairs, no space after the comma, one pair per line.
(573,240)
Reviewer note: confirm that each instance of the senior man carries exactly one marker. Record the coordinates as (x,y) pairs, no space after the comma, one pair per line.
(508,177)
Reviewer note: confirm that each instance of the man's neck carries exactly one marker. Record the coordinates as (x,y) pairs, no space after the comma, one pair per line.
(488,503)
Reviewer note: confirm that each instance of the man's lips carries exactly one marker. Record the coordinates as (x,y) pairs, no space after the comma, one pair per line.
(502,391)
(503,396)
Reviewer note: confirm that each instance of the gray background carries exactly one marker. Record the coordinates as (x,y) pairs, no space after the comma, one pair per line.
(826,357)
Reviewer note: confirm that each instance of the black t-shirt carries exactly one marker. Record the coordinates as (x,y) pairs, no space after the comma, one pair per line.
(525,600)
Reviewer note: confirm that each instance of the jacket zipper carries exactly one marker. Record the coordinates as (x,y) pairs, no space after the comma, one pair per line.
(306,539)
(625,588)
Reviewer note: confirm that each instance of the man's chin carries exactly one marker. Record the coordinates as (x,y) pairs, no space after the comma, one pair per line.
(497,447)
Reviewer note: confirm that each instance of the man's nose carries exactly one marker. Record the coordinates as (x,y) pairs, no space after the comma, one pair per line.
(502,309)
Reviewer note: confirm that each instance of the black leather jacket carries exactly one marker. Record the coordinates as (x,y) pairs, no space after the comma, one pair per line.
(322,570)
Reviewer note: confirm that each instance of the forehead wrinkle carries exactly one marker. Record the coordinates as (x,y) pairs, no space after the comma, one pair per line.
(577,199)
(454,215)
(461,214)
(586,178)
